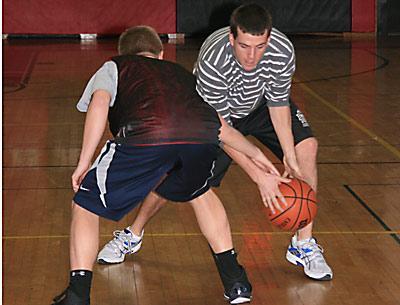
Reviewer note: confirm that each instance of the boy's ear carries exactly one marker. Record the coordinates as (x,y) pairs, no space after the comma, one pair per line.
(161,55)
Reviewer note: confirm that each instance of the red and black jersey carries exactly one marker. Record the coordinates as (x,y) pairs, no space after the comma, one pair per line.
(159,103)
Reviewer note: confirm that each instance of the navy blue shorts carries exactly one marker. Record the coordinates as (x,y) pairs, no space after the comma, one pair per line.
(123,175)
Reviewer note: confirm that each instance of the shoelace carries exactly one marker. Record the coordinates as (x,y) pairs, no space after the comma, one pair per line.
(314,255)
(118,243)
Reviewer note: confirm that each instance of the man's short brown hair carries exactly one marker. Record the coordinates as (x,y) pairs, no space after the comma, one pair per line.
(250,18)
(138,39)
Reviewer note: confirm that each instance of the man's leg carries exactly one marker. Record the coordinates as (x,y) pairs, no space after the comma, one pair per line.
(150,206)
(259,124)
(214,225)
(306,153)
(84,242)
(129,240)
(304,249)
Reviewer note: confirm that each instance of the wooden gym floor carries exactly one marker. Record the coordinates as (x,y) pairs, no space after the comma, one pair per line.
(349,89)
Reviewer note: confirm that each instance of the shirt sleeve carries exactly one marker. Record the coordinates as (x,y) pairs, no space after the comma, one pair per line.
(212,87)
(279,89)
(106,78)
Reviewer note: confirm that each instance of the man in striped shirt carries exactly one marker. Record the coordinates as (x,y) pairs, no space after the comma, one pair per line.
(245,72)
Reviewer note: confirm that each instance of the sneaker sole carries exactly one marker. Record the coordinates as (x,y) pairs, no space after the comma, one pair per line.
(239,300)
(298,262)
(102,261)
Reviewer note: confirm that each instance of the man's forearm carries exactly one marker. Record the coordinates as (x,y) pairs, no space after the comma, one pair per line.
(282,122)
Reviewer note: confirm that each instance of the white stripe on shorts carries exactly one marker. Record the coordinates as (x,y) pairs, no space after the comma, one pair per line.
(96,162)
(204,185)
(101,171)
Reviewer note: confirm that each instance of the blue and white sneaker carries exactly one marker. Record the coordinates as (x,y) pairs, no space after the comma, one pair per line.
(124,242)
(308,254)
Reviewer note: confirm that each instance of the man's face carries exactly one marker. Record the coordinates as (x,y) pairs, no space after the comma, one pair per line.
(249,49)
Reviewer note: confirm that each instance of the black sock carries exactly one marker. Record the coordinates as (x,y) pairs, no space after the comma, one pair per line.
(80,282)
(227,263)
(230,271)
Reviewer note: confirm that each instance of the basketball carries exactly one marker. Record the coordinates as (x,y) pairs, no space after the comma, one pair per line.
(301,206)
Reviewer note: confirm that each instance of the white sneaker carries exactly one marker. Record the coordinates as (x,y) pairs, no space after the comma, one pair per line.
(308,254)
(124,242)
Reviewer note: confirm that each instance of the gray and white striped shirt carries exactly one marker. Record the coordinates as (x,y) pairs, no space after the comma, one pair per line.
(235,92)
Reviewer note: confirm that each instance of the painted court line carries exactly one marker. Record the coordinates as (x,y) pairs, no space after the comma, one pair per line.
(168,235)
(349,119)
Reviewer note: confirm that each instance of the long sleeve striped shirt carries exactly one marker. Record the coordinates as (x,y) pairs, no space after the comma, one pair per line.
(235,92)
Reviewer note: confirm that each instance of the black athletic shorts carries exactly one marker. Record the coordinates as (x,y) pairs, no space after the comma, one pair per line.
(258,124)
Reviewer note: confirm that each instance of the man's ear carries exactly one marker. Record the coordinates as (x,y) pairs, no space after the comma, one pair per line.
(231,38)
(161,55)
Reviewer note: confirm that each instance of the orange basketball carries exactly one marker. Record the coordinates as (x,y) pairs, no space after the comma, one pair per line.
(301,206)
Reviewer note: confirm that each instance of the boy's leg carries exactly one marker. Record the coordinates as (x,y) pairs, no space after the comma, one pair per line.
(129,240)
(214,225)
(213,221)
(84,241)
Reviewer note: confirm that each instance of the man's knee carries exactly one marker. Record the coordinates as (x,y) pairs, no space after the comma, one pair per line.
(307,148)
(156,198)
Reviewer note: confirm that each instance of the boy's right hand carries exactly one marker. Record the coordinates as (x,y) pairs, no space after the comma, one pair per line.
(268,185)
(78,175)
(264,164)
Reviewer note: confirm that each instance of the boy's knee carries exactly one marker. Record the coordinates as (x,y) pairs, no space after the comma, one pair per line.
(78,211)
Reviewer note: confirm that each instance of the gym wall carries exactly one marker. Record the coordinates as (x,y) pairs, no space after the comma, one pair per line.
(60,17)
(191,17)
(197,17)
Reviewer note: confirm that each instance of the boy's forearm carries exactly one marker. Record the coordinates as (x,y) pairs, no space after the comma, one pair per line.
(230,136)
(240,149)
(95,124)
(244,162)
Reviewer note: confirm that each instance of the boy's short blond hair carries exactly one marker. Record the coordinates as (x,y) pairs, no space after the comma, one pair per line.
(139,39)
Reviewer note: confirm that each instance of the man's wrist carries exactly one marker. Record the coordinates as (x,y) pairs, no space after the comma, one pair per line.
(290,155)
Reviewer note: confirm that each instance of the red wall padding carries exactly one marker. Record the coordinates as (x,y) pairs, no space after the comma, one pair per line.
(86,16)
(363,16)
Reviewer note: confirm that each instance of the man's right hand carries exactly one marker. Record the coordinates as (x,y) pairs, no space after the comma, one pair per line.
(292,168)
